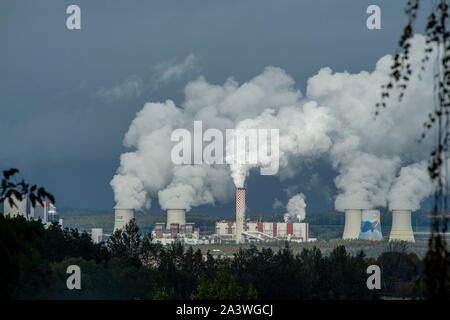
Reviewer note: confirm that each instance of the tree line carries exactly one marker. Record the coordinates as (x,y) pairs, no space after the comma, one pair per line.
(129,265)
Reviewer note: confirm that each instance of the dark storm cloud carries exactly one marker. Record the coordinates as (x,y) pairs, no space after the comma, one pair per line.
(54,126)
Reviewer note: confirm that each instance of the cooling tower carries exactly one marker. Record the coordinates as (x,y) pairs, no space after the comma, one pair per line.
(240,214)
(176,216)
(401,226)
(20,208)
(352,224)
(371,225)
(122,217)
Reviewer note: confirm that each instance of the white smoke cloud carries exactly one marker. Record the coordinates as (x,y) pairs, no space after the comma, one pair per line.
(364,181)
(131,87)
(296,208)
(129,192)
(304,133)
(334,121)
(196,185)
(169,71)
(366,152)
(277,205)
(149,167)
(411,187)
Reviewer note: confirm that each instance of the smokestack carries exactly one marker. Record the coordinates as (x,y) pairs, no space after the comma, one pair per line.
(176,216)
(240,214)
(401,226)
(122,217)
(352,223)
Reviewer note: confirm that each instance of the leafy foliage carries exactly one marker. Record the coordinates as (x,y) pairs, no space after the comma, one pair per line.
(11,191)
(223,287)
(34,260)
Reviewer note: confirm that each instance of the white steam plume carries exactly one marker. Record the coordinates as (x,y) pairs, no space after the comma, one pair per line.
(411,187)
(196,185)
(335,121)
(296,208)
(303,133)
(367,152)
(364,181)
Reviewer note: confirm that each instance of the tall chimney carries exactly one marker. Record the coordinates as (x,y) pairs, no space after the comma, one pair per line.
(240,214)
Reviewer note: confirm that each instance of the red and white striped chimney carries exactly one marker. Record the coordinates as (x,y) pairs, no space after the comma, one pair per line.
(240,214)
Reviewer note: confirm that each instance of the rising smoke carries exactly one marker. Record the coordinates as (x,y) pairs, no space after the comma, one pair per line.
(411,187)
(296,209)
(333,121)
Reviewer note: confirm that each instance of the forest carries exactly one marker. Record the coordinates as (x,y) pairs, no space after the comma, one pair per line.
(34,261)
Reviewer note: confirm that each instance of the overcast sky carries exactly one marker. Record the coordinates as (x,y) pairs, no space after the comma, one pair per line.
(67,98)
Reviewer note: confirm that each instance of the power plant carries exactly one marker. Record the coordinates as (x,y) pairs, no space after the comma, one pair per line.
(401,226)
(46,212)
(122,217)
(242,231)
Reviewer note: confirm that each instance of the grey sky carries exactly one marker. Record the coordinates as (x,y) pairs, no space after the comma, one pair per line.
(62,134)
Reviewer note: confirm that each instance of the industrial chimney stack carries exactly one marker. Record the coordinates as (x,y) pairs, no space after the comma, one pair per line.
(240,214)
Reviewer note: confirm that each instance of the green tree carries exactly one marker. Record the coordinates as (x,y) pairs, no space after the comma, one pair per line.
(224,287)
(252,294)
(12,191)
(130,247)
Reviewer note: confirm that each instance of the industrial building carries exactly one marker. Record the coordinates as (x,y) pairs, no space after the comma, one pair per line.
(241,231)
(263,231)
(177,229)
(185,233)
(46,211)
(18,209)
